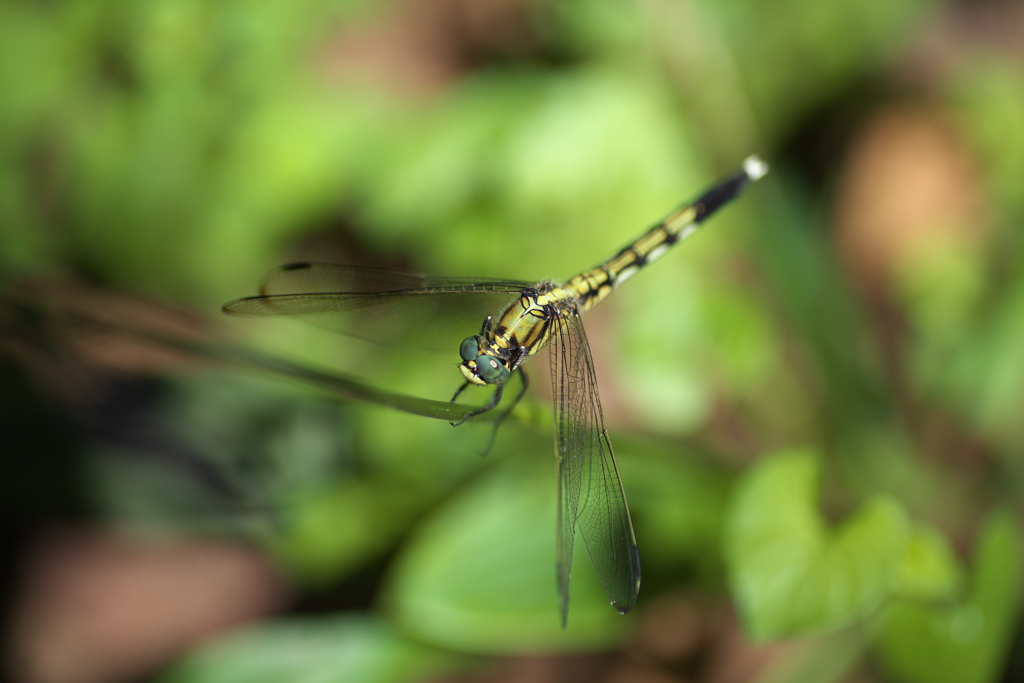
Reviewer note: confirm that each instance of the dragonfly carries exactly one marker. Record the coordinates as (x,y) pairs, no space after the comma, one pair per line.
(519,319)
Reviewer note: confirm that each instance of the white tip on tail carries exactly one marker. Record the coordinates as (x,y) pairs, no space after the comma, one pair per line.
(754,168)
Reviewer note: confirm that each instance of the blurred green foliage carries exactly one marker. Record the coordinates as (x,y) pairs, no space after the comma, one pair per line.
(964,639)
(791,574)
(178,149)
(350,648)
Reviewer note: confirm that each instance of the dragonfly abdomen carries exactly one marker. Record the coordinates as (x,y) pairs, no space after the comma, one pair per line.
(592,286)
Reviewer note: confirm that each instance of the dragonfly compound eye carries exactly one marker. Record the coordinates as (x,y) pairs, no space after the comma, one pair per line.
(470,349)
(490,370)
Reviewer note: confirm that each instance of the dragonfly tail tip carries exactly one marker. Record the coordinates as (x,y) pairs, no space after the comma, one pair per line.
(755,167)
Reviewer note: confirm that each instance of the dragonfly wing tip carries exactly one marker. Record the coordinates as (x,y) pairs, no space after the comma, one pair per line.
(622,609)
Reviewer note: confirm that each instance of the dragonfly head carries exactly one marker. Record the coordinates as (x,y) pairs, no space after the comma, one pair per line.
(478,366)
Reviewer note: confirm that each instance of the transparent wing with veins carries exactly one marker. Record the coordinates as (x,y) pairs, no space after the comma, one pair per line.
(392,308)
(590,495)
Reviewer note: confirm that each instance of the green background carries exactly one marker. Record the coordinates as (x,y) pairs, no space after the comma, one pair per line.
(816,403)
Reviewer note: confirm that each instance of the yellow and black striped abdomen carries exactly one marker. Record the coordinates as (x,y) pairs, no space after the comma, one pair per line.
(592,286)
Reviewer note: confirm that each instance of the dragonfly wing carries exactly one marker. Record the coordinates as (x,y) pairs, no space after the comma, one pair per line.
(590,495)
(343,385)
(388,307)
(306,278)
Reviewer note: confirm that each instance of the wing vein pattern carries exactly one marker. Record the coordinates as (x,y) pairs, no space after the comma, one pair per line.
(392,308)
(590,495)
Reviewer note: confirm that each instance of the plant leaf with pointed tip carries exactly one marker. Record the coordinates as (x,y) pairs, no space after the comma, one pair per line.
(791,573)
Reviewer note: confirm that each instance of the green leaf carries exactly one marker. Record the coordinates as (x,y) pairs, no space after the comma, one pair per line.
(479,576)
(352,649)
(966,641)
(929,570)
(790,572)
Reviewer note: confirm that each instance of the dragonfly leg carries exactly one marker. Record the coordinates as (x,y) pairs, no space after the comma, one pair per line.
(525,380)
(490,405)
(459,392)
